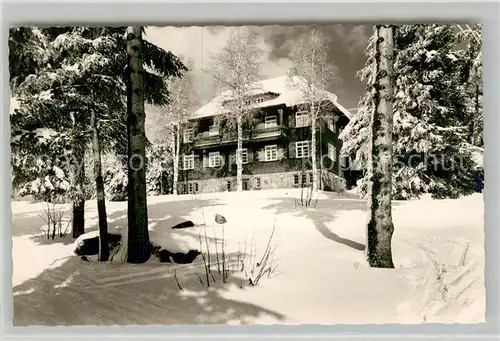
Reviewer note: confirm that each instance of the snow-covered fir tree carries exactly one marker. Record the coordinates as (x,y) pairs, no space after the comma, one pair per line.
(57,83)
(59,75)
(472,75)
(431,153)
(159,175)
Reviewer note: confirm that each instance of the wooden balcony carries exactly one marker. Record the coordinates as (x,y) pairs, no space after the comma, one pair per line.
(261,133)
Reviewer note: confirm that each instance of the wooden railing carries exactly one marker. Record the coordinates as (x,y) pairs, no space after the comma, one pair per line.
(204,139)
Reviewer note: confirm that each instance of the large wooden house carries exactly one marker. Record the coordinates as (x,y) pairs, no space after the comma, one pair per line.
(276,142)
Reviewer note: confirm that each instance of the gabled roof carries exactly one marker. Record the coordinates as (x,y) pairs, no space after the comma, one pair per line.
(285,87)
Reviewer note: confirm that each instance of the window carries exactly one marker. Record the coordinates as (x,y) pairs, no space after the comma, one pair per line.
(188,135)
(296,179)
(228,185)
(260,100)
(311,178)
(301,119)
(192,188)
(213,130)
(332,152)
(257,182)
(271,153)
(270,121)
(248,102)
(301,149)
(244,156)
(214,159)
(304,179)
(188,162)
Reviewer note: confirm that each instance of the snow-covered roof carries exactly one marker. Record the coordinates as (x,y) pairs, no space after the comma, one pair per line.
(288,91)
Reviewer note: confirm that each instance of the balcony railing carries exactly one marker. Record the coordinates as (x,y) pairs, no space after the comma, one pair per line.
(205,139)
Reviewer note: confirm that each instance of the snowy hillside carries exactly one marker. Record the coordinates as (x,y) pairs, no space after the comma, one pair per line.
(319,275)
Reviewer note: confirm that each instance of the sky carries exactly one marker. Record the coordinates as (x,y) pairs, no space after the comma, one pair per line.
(345,48)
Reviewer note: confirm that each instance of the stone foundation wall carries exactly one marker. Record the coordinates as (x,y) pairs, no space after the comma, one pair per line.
(329,182)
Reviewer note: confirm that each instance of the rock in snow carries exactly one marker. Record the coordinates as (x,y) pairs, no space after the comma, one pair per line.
(184,224)
(88,244)
(220,219)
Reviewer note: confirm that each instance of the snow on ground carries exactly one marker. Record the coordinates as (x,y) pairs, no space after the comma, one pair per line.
(319,272)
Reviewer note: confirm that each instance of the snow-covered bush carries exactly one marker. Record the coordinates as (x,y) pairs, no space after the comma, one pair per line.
(51,186)
(115,177)
(159,171)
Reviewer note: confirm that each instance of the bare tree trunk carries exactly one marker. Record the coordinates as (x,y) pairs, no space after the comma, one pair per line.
(239,163)
(78,221)
(139,248)
(176,157)
(99,184)
(380,227)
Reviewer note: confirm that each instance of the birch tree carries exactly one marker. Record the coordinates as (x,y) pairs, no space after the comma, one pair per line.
(237,68)
(180,107)
(380,227)
(313,74)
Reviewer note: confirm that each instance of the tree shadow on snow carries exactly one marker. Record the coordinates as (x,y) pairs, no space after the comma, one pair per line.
(30,223)
(91,293)
(163,211)
(81,293)
(321,212)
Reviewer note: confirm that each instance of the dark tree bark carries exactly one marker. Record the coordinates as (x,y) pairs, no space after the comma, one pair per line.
(78,222)
(139,248)
(99,184)
(380,227)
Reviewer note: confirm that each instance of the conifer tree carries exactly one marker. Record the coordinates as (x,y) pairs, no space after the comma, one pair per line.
(52,71)
(431,153)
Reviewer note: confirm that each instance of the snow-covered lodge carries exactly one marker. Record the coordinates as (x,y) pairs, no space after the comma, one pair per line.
(276,142)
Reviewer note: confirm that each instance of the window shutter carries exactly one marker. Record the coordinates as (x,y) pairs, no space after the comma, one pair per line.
(260,155)
(250,155)
(222,159)
(232,158)
(205,160)
(196,161)
(281,153)
(291,150)
(291,120)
